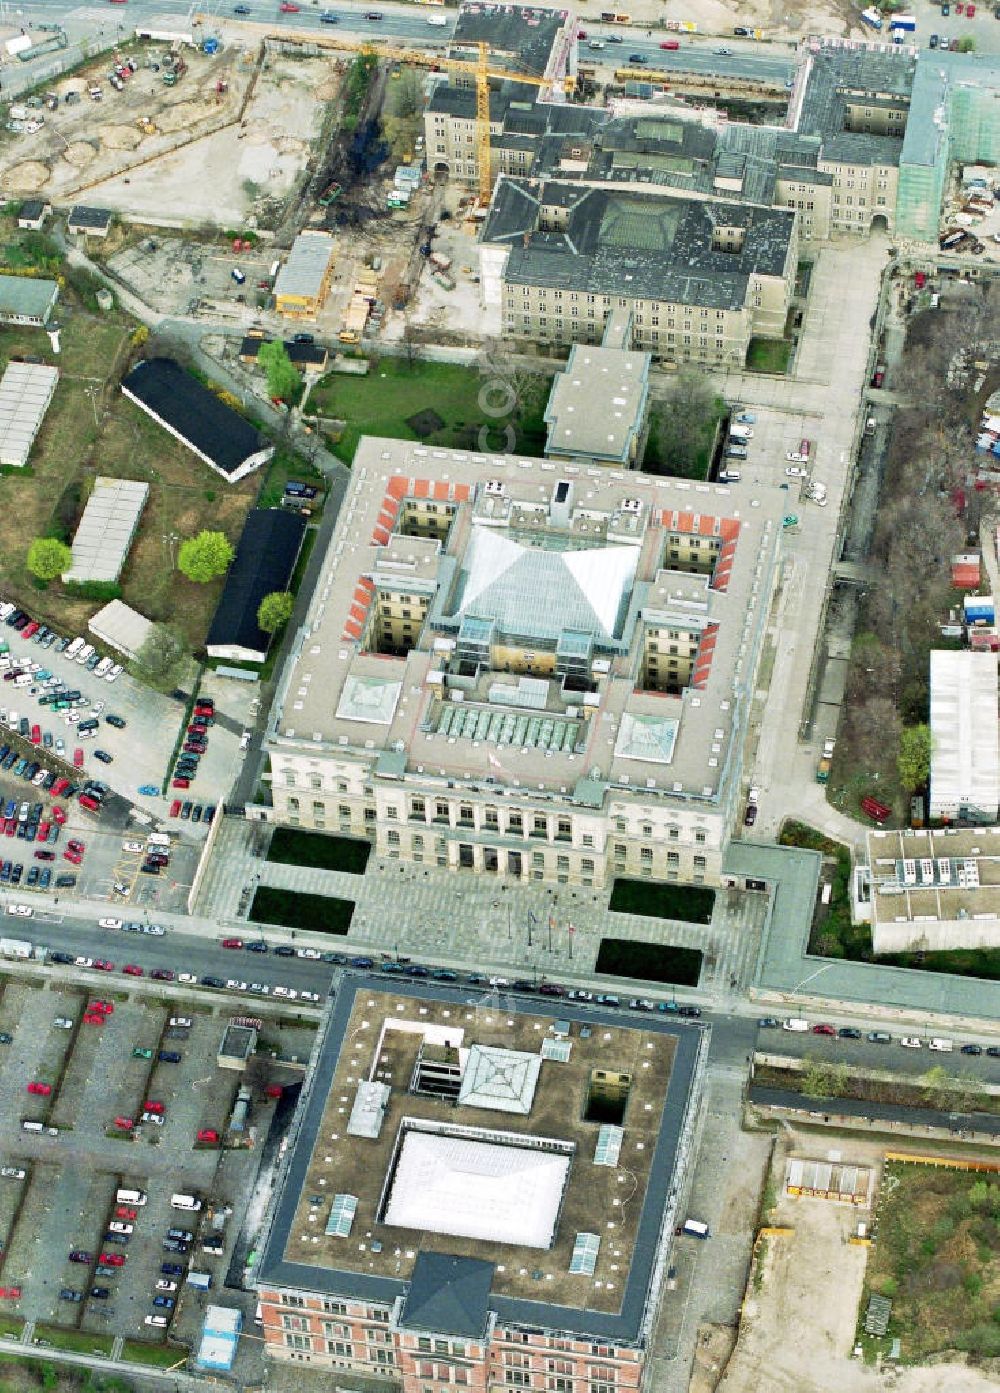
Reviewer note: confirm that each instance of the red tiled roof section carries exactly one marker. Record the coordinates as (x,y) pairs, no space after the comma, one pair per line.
(703,662)
(707,525)
(360,605)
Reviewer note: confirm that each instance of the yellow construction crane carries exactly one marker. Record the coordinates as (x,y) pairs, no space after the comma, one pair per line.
(480,70)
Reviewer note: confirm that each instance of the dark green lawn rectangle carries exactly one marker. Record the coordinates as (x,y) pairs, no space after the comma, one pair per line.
(321,913)
(691,903)
(296,848)
(649,962)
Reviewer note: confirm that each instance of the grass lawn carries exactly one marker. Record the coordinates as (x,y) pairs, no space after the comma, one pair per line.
(284,466)
(82,1341)
(769,355)
(697,465)
(390,399)
(311,849)
(692,903)
(938,1259)
(163,1356)
(322,913)
(92,429)
(649,962)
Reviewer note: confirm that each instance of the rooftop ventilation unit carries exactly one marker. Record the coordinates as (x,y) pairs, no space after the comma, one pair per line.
(632,505)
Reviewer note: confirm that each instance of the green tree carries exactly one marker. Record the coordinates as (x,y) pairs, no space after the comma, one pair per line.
(824,1079)
(161,660)
(204,557)
(48,558)
(966,44)
(682,429)
(283,380)
(914,758)
(274,610)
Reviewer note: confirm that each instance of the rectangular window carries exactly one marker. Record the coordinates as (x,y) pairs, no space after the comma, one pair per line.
(298,1342)
(335,1308)
(296,1301)
(393,837)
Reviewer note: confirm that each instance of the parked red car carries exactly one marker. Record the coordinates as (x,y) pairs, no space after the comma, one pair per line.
(114,1259)
(232,943)
(175,808)
(823,1030)
(133,970)
(123,1211)
(153,1106)
(179,783)
(78,757)
(93,1018)
(59,815)
(274,1090)
(10,1293)
(73,857)
(106,1008)
(42,1089)
(208,1134)
(36,735)
(126,1124)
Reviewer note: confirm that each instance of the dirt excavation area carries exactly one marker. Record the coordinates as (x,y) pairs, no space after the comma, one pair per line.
(778,18)
(801,1312)
(145,149)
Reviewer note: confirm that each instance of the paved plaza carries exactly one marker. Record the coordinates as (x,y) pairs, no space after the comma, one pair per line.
(449,918)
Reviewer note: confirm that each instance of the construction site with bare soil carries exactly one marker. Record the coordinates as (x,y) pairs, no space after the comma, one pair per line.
(142,146)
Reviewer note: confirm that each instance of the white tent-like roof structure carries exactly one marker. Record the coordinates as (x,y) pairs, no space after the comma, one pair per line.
(965,748)
(538,592)
(498,1079)
(477,1189)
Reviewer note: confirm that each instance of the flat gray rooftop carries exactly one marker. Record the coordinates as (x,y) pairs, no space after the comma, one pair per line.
(106,529)
(25,393)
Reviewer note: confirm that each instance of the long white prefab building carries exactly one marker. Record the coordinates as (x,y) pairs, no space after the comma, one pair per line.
(25,394)
(965,752)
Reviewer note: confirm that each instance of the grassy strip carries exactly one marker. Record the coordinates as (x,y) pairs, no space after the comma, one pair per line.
(318,912)
(649,962)
(768,355)
(295,848)
(182,732)
(692,904)
(163,1356)
(82,1341)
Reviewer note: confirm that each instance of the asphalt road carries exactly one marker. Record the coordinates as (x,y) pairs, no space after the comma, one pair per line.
(689,58)
(890,1056)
